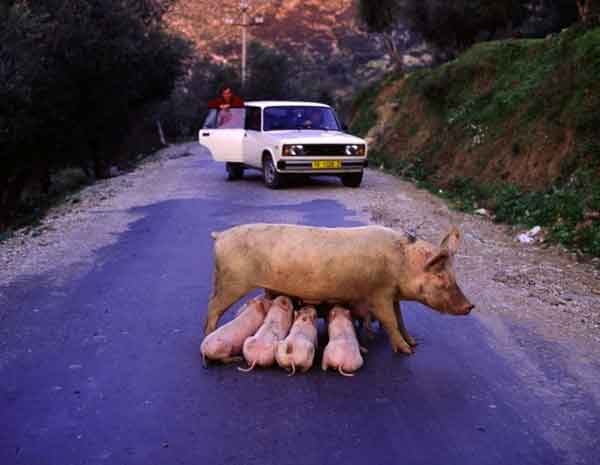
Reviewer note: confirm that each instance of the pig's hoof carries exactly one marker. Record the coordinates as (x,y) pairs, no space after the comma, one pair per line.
(403,348)
(411,340)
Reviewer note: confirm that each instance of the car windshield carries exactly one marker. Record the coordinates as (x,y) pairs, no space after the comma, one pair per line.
(299,117)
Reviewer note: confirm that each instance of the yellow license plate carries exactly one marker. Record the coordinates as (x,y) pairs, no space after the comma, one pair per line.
(326,164)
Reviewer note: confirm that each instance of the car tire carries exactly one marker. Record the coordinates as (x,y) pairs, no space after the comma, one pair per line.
(352,179)
(234,171)
(273,179)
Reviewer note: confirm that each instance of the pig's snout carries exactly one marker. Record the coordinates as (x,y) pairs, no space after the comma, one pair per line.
(460,304)
(466,309)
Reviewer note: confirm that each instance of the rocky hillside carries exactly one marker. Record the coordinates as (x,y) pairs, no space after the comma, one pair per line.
(322,34)
(509,125)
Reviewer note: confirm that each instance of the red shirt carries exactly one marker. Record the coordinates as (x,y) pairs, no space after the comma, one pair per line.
(234,102)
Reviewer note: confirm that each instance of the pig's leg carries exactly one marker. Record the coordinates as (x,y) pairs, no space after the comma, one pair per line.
(368,323)
(402,327)
(220,301)
(383,309)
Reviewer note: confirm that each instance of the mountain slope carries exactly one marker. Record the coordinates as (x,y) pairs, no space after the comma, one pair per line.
(323,36)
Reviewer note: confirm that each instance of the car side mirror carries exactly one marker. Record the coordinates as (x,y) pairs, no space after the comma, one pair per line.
(344,127)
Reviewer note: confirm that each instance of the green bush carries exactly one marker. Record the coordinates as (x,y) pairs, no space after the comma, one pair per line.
(74,77)
(365,116)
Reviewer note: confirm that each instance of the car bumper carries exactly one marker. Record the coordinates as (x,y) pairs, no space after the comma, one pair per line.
(305,166)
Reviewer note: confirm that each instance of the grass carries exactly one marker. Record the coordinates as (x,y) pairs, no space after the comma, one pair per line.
(527,80)
(365,116)
(507,93)
(561,209)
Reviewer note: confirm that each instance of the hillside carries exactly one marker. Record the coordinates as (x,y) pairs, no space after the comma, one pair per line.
(509,125)
(322,35)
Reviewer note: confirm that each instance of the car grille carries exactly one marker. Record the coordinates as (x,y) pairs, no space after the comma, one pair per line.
(325,150)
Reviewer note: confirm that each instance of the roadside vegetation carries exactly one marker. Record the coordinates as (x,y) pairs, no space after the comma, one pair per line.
(89,86)
(79,82)
(510,126)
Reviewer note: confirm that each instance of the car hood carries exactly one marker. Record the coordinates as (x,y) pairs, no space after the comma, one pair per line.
(306,136)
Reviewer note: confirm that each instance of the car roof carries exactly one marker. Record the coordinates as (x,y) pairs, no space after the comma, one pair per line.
(283,103)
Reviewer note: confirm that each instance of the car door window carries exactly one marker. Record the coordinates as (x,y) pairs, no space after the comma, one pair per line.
(232,118)
(252,119)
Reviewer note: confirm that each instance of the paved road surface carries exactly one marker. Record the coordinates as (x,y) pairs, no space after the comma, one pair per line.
(104,368)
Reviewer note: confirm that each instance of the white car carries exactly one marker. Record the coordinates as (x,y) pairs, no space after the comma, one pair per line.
(281,138)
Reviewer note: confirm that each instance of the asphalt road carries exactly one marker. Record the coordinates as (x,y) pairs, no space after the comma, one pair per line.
(105,369)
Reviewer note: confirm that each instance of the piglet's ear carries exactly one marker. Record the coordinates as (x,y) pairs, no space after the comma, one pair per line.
(451,241)
(438,262)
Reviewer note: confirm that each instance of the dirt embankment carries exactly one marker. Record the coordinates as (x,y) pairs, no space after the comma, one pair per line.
(521,111)
(511,126)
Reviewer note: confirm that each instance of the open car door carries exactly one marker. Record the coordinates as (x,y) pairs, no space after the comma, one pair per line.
(222,133)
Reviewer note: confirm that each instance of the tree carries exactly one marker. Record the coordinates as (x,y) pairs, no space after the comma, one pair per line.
(589,10)
(459,23)
(269,73)
(73,76)
(381,16)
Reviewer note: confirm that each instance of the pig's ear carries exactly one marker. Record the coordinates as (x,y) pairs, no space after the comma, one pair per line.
(438,262)
(451,241)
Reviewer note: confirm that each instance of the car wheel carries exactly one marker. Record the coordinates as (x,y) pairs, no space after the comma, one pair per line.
(272,178)
(352,179)
(234,171)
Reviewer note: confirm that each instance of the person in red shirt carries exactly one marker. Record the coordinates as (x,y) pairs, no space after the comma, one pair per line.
(226,100)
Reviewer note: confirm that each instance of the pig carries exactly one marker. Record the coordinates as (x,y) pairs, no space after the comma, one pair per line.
(298,349)
(374,264)
(225,344)
(260,348)
(362,312)
(342,352)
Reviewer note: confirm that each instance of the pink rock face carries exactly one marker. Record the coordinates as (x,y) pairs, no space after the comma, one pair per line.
(259,350)
(371,264)
(342,352)
(226,343)
(297,351)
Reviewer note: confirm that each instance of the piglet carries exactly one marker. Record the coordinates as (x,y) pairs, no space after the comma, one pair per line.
(260,348)
(225,344)
(342,352)
(298,349)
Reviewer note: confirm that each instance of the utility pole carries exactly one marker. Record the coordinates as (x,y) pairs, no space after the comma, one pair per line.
(245,21)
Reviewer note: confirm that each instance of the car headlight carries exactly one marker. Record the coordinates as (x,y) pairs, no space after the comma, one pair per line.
(355,150)
(293,150)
